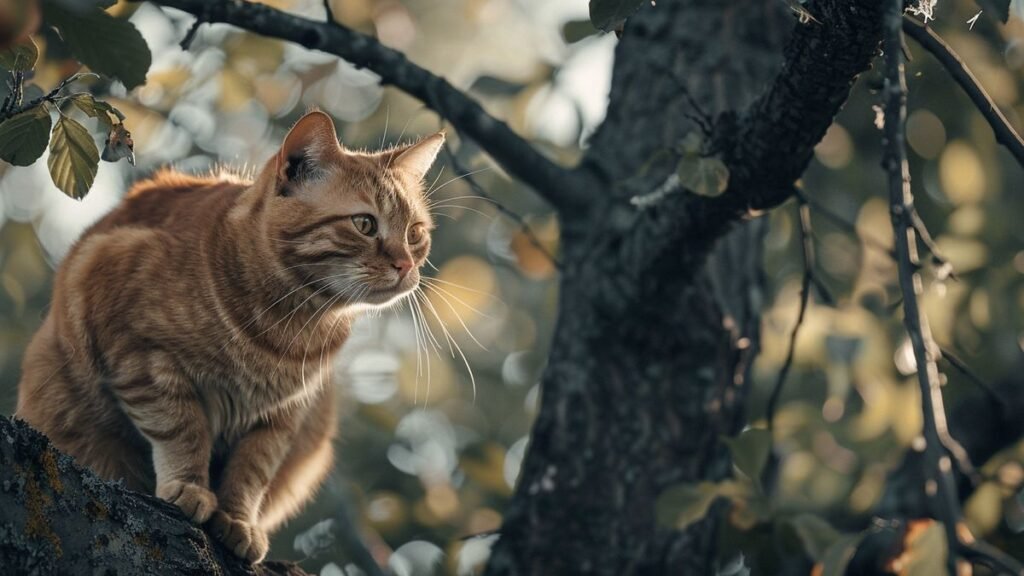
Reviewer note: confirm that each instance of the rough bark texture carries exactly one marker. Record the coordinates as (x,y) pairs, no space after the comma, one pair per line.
(59,518)
(649,362)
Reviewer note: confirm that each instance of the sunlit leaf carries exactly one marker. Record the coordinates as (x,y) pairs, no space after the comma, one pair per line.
(93,108)
(23,137)
(815,533)
(839,554)
(999,8)
(108,45)
(703,175)
(608,15)
(74,158)
(750,451)
(684,504)
(20,57)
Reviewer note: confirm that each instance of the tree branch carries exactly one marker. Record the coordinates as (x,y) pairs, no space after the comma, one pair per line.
(950,60)
(807,243)
(776,136)
(59,518)
(563,188)
(944,502)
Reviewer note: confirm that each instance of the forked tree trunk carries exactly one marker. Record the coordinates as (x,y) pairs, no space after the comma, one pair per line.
(650,362)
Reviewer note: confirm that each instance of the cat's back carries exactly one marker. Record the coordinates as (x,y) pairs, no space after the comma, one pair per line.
(173,201)
(145,256)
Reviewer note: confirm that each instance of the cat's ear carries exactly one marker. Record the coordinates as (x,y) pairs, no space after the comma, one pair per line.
(309,145)
(417,159)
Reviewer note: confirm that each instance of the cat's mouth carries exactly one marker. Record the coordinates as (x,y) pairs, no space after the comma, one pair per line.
(391,293)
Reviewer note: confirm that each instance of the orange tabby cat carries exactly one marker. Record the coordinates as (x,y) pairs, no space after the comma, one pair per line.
(184,351)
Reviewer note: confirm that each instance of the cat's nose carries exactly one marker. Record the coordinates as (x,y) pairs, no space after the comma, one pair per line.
(403,265)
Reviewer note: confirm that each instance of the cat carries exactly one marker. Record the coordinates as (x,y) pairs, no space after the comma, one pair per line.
(185,347)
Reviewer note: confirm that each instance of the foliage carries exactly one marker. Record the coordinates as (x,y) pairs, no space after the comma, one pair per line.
(108,45)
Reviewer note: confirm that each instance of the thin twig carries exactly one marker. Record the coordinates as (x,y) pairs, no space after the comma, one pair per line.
(950,60)
(944,502)
(807,241)
(926,238)
(962,367)
(524,226)
(186,42)
(52,96)
(845,224)
(997,560)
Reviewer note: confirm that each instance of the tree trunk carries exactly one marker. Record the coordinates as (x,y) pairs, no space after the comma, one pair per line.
(650,361)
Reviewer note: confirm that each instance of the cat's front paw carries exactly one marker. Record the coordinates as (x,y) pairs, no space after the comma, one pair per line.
(245,539)
(197,502)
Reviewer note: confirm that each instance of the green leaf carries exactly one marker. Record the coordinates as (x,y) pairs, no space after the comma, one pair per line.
(838,555)
(815,533)
(1001,8)
(750,451)
(704,176)
(108,45)
(93,108)
(576,30)
(74,158)
(608,15)
(23,137)
(20,57)
(928,552)
(683,504)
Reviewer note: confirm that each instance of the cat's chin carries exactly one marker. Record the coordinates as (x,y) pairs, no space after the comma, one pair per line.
(387,296)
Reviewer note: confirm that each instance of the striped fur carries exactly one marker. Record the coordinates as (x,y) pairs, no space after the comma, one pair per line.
(187,346)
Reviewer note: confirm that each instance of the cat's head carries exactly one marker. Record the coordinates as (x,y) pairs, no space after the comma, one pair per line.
(354,226)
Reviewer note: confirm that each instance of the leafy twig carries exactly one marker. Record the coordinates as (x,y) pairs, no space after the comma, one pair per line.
(524,226)
(940,484)
(950,60)
(52,97)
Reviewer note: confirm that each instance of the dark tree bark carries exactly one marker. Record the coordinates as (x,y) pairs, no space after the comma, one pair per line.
(59,518)
(649,366)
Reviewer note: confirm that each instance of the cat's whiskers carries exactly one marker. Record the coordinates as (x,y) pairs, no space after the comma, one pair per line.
(432,283)
(434,183)
(240,331)
(323,308)
(324,342)
(457,206)
(464,197)
(433,191)
(419,358)
(428,339)
(452,342)
(457,315)
(463,287)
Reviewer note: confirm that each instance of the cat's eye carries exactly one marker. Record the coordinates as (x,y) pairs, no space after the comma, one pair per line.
(365,223)
(416,233)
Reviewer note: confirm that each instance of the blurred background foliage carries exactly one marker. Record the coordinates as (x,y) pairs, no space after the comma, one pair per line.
(426,460)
